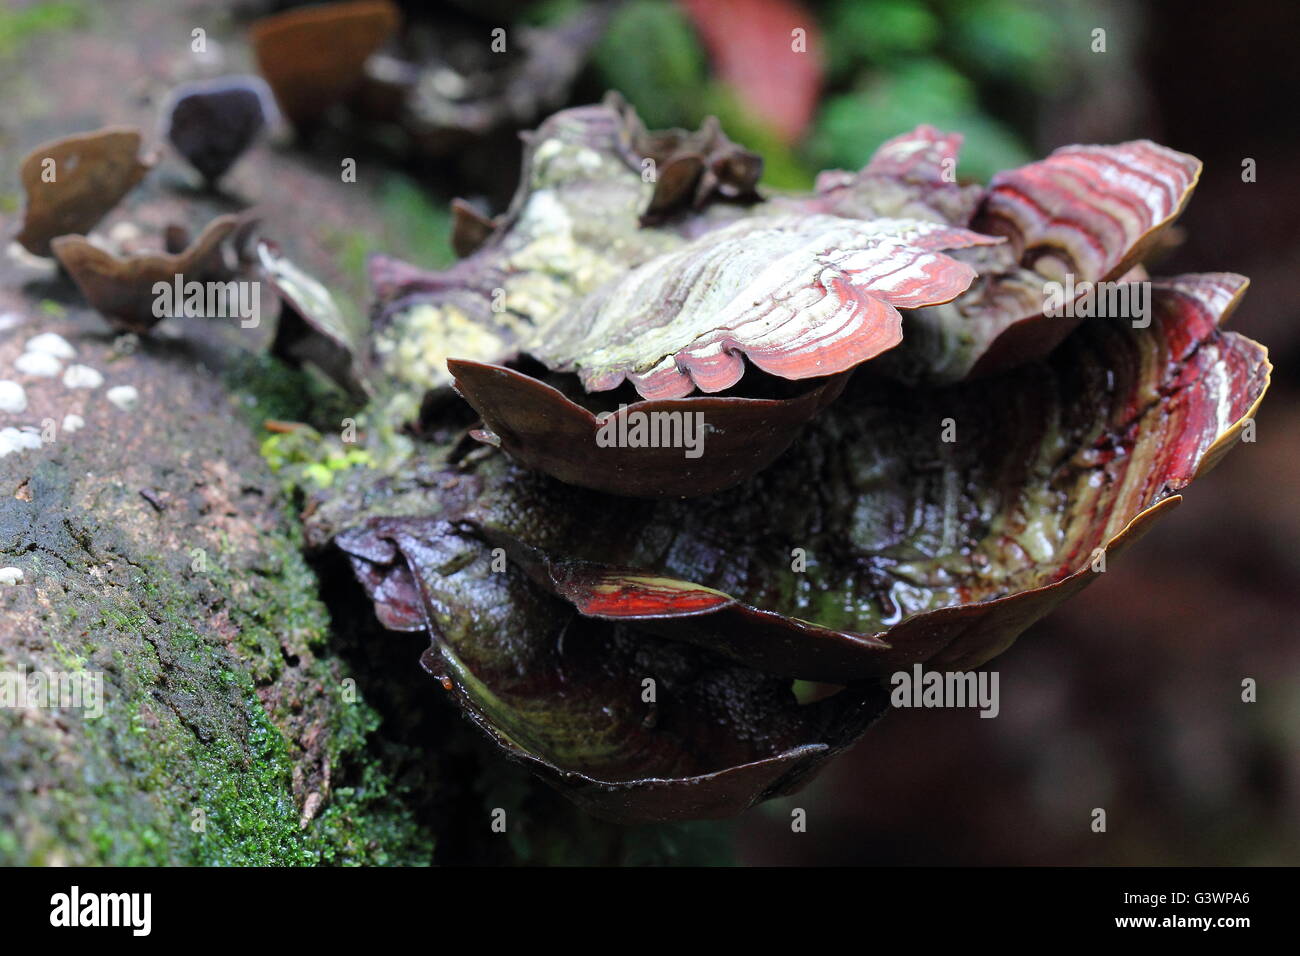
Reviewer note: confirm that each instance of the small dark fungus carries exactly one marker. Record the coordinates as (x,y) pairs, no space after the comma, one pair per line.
(689,169)
(469,228)
(212,123)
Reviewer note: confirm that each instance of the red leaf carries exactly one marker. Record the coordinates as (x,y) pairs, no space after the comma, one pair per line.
(752,44)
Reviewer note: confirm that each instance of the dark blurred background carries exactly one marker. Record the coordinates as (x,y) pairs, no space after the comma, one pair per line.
(1129,698)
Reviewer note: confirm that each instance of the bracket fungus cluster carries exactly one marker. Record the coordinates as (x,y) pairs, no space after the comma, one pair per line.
(681,383)
(871,380)
(71,184)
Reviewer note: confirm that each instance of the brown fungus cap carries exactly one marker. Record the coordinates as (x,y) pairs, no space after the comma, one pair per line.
(72,183)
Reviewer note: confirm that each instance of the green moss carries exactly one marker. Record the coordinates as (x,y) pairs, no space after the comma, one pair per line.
(223,755)
(263,387)
(244,792)
(305,458)
(193,722)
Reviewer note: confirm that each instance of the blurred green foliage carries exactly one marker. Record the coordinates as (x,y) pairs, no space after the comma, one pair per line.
(921,90)
(977,67)
(877,32)
(650,52)
(415,225)
(20,24)
(1008,38)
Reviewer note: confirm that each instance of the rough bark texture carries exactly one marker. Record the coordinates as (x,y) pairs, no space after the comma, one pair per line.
(155,548)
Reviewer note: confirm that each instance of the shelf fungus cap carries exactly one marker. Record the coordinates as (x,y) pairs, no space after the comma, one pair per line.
(1062,462)
(1068,462)
(316,326)
(1084,215)
(712,740)
(680,447)
(798,296)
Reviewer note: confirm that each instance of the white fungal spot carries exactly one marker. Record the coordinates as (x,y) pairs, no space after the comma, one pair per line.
(38,364)
(27,260)
(51,343)
(124,397)
(82,376)
(10,320)
(12,397)
(124,233)
(170,329)
(72,423)
(11,575)
(12,440)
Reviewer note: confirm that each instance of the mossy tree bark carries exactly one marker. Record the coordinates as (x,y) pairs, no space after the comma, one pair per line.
(246,719)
